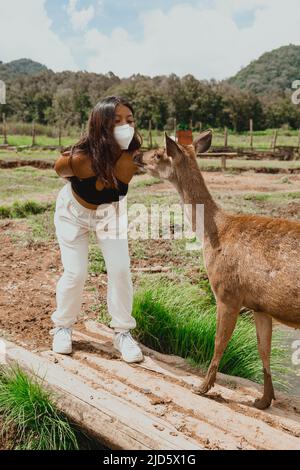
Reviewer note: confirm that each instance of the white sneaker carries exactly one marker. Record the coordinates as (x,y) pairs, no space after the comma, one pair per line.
(128,347)
(62,340)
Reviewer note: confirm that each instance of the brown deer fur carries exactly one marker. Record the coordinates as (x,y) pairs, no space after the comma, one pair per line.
(251,261)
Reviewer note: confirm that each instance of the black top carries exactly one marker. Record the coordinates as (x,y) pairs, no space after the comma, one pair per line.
(86,189)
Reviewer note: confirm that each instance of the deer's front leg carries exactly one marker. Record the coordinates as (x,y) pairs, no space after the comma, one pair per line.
(263,324)
(226,321)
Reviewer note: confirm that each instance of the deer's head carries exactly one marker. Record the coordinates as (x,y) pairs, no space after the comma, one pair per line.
(163,162)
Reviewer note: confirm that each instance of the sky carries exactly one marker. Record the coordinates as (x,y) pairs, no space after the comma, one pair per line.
(208,39)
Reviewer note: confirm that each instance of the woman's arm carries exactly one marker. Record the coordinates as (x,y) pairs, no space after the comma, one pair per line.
(63,166)
(78,165)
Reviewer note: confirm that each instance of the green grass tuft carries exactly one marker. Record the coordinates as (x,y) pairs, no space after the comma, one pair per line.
(181,319)
(96,260)
(273,196)
(20,210)
(26,407)
(145,183)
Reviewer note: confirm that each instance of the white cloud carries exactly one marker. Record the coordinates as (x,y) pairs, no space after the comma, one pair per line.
(80,18)
(233,6)
(198,39)
(25,31)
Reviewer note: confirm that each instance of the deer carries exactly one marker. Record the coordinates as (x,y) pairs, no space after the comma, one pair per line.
(252,261)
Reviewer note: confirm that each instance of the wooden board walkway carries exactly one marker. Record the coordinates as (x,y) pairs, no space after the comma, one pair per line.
(150,405)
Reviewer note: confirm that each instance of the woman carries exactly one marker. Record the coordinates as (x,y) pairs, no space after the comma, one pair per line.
(98,169)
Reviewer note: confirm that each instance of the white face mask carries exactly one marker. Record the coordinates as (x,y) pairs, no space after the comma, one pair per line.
(123,135)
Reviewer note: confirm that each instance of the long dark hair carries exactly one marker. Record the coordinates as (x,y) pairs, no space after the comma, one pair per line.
(99,142)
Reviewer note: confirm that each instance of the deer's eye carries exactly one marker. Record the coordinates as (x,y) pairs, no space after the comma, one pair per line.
(157,157)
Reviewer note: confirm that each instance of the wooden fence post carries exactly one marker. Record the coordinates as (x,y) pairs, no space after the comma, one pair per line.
(175,128)
(4,130)
(251,134)
(225,137)
(59,133)
(223,162)
(33,133)
(150,134)
(274,140)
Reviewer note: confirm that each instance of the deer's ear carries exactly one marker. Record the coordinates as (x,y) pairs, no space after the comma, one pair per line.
(172,149)
(203,141)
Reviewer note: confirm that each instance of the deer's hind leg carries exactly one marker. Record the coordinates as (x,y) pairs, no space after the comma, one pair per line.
(226,320)
(263,324)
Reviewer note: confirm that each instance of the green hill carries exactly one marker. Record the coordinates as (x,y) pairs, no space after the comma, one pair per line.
(273,72)
(258,91)
(20,67)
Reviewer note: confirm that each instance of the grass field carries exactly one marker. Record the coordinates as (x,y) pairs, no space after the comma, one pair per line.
(261,139)
(241,163)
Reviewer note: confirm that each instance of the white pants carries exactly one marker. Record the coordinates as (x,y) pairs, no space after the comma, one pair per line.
(72,223)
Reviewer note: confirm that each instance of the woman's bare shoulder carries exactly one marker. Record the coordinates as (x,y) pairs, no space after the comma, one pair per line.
(76,153)
(80,162)
(125,167)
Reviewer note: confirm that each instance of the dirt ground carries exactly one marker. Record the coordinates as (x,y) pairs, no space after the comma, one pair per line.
(27,295)
(246,182)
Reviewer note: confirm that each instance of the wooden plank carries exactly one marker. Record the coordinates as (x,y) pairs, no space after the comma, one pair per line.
(118,424)
(151,405)
(280,422)
(145,394)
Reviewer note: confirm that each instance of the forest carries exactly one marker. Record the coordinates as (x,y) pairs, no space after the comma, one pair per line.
(262,92)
